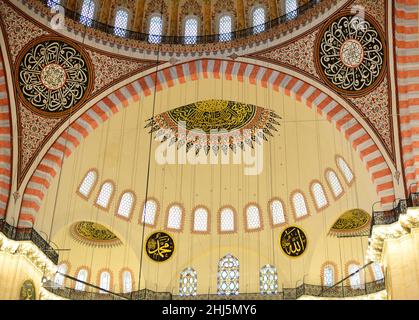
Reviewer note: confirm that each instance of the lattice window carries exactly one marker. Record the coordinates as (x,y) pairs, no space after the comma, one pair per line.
(328,276)
(227,220)
(378,271)
(82,276)
(191,30)
(277,212)
(53,3)
(126,204)
(121,22)
(155,30)
(291,7)
(346,171)
(126,281)
(88,183)
(355,280)
(149,212)
(188,282)
(174,219)
(225,27)
(87,12)
(228,276)
(105,195)
(334,183)
(268,278)
(258,22)
(200,220)
(105,281)
(319,195)
(300,206)
(59,278)
(253,217)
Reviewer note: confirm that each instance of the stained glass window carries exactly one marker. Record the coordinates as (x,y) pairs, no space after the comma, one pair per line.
(105,281)
(105,195)
(258,20)
(88,182)
(188,282)
(268,280)
(82,276)
(319,195)
(125,205)
(328,276)
(127,281)
(200,220)
(378,271)
(253,217)
(149,212)
(299,203)
(346,171)
(277,212)
(87,12)
(191,30)
(174,219)
(225,27)
(121,22)
(155,29)
(59,279)
(334,183)
(355,280)
(226,220)
(228,276)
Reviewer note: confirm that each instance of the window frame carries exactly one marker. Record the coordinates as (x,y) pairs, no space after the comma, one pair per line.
(182,222)
(151,16)
(182,275)
(341,170)
(246,225)
(218,26)
(93,185)
(235,222)
(296,217)
(134,200)
(94,15)
(326,175)
(121,8)
(198,33)
(271,218)
(99,280)
(208,220)
(265,267)
(219,270)
(122,283)
(313,196)
(251,19)
(85,280)
(156,214)
(335,273)
(110,198)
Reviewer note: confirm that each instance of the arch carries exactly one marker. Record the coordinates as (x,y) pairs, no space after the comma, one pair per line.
(345,170)
(82,273)
(334,183)
(151,207)
(126,205)
(59,279)
(201,222)
(299,205)
(188,282)
(253,218)
(228,275)
(103,110)
(155,28)
(105,279)
(121,21)
(319,196)
(191,29)
(105,195)
(127,283)
(88,183)
(329,274)
(258,18)
(268,280)
(227,220)
(88,11)
(175,217)
(277,212)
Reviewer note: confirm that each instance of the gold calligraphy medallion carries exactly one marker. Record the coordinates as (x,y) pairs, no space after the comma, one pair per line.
(293,241)
(159,246)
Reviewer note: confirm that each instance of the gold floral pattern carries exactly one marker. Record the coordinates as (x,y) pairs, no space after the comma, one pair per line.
(355,222)
(94,234)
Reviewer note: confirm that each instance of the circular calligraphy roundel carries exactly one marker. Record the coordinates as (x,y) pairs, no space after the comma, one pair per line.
(160,246)
(54,76)
(293,241)
(351,54)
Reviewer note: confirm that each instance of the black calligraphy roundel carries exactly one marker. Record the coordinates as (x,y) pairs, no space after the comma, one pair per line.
(159,246)
(293,241)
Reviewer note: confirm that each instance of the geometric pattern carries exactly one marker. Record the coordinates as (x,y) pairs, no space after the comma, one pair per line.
(191,71)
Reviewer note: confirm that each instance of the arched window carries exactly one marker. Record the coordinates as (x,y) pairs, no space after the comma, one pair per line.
(319,196)
(378,271)
(355,279)
(299,205)
(53,3)
(188,282)
(174,218)
(105,281)
(121,22)
(227,223)
(126,204)
(82,276)
(191,30)
(228,276)
(268,278)
(155,30)
(346,171)
(291,7)
(200,220)
(277,212)
(334,183)
(253,220)
(258,20)
(105,194)
(126,281)
(149,213)
(225,27)
(59,278)
(328,275)
(87,12)
(88,183)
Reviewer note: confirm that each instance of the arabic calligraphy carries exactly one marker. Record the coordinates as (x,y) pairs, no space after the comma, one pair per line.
(351,54)
(160,246)
(293,241)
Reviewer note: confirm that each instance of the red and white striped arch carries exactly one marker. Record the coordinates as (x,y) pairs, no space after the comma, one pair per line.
(5,142)
(407,54)
(190,71)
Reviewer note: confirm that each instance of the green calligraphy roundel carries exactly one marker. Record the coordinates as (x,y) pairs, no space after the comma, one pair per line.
(293,241)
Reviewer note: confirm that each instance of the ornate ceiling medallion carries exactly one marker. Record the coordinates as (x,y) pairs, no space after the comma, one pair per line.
(215,124)
(94,234)
(351,223)
(351,54)
(54,76)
